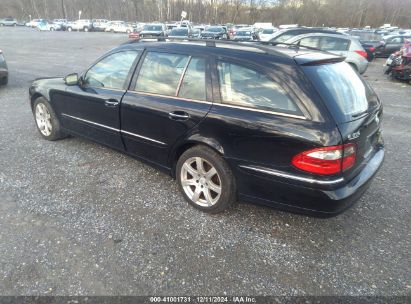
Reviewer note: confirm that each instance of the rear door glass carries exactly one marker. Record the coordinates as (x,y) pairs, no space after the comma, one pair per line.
(334,44)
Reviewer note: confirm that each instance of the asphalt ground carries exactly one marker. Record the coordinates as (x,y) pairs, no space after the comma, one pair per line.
(77,218)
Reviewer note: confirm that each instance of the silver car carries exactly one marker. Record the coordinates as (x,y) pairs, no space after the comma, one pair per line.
(8,22)
(346,46)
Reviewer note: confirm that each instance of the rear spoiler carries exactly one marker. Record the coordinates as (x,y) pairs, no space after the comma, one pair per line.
(323,61)
(317,58)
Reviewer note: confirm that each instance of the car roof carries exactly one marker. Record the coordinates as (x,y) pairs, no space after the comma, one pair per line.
(276,54)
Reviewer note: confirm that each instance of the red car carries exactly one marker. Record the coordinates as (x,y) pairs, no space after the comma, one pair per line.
(134,36)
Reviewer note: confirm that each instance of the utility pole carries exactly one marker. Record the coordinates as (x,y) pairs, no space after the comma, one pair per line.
(63,9)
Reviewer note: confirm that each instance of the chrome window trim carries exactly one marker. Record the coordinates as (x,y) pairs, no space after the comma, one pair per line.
(182,76)
(91,122)
(169,96)
(292,176)
(113,129)
(220,104)
(262,111)
(143,137)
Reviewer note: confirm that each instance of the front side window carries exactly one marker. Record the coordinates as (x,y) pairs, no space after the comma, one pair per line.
(246,87)
(161,73)
(112,71)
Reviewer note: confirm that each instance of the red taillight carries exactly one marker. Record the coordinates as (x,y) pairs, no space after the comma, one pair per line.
(372,49)
(362,53)
(327,160)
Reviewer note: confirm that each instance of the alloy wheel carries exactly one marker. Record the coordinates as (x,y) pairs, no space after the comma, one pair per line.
(43,119)
(201,182)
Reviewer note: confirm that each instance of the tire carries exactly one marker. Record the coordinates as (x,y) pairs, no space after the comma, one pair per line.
(52,29)
(4,81)
(212,194)
(353,66)
(128,32)
(69,29)
(53,130)
(86,29)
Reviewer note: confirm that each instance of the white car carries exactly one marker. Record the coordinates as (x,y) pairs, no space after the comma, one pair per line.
(267,34)
(118,27)
(35,22)
(46,26)
(79,25)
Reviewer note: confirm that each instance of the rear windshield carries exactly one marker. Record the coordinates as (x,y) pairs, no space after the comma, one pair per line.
(345,93)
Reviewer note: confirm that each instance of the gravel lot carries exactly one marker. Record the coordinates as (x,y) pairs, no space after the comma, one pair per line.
(77,218)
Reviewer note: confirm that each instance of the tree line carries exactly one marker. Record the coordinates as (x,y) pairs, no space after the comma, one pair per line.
(340,13)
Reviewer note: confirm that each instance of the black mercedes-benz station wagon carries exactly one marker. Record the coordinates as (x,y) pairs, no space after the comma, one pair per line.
(286,127)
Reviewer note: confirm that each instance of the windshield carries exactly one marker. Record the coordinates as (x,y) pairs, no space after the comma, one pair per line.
(243,33)
(268,31)
(179,32)
(345,93)
(153,28)
(214,29)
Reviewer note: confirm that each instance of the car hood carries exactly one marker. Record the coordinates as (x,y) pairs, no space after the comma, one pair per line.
(210,33)
(150,32)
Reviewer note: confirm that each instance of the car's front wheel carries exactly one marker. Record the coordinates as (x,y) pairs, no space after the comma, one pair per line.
(206,180)
(69,29)
(46,120)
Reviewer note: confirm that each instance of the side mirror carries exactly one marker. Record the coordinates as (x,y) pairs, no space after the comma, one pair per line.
(72,79)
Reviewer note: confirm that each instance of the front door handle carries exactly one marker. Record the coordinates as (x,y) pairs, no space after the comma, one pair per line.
(178,115)
(111,103)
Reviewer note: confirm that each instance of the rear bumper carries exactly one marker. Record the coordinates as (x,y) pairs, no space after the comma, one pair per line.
(306,196)
(3,73)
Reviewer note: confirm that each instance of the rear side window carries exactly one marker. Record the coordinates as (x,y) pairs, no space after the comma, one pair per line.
(245,87)
(310,42)
(334,44)
(161,73)
(345,93)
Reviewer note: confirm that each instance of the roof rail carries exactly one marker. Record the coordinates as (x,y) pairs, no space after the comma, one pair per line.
(211,43)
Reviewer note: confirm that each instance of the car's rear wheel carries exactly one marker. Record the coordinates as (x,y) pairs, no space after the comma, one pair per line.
(86,29)
(46,120)
(52,29)
(206,180)
(4,80)
(69,29)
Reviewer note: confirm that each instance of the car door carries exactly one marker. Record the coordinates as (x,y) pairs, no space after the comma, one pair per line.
(392,45)
(170,96)
(253,116)
(92,108)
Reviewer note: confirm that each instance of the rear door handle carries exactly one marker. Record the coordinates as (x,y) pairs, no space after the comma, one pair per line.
(111,103)
(178,115)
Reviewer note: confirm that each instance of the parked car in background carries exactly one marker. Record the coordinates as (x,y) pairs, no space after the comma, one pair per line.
(9,21)
(346,46)
(134,35)
(285,34)
(214,32)
(180,32)
(118,27)
(244,34)
(290,128)
(61,22)
(47,26)
(34,23)
(99,25)
(391,44)
(80,25)
(233,29)
(370,41)
(153,30)
(267,34)
(4,71)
